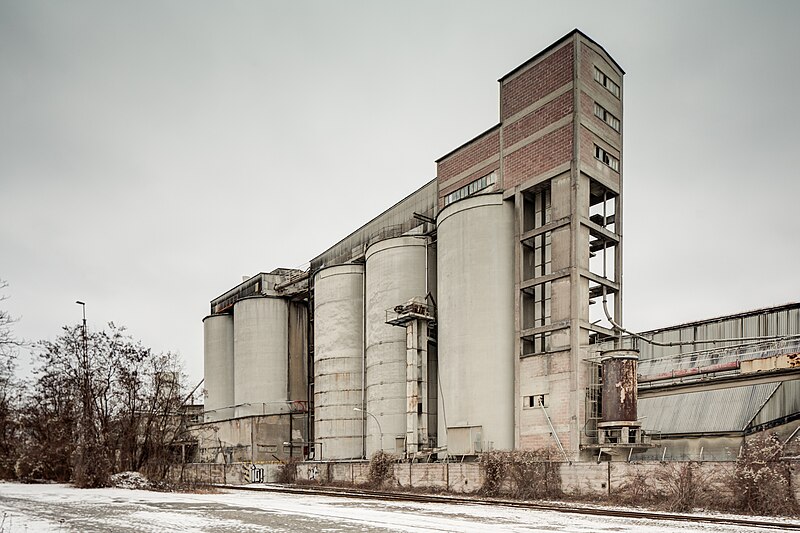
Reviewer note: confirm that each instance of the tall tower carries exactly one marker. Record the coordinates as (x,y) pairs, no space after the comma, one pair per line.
(556,157)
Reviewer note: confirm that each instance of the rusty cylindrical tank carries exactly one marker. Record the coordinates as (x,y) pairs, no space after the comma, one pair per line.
(619,385)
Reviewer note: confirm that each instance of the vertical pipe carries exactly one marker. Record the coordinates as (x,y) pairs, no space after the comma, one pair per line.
(364,366)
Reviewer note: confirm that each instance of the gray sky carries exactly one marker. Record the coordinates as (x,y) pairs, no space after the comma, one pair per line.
(152,153)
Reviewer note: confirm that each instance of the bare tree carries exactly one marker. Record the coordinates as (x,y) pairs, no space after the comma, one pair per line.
(9,390)
(111,403)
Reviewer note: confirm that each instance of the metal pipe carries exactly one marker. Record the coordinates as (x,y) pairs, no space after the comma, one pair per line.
(553,431)
(721,367)
(681,343)
(364,366)
(380,430)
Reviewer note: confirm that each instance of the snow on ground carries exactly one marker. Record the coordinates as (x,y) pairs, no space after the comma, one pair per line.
(46,508)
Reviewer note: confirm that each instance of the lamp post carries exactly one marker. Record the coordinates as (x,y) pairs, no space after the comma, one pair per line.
(83,431)
(376,421)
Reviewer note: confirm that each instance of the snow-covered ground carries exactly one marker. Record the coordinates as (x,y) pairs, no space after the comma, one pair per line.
(33,508)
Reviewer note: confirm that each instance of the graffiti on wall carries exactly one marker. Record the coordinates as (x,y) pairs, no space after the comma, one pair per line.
(252,473)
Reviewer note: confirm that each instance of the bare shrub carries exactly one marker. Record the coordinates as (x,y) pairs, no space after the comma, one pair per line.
(521,474)
(682,485)
(494,465)
(677,487)
(381,468)
(534,474)
(762,481)
(638,489)
(287,472)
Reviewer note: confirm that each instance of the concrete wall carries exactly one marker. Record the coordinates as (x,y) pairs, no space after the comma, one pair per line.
(250,439)
(577,479)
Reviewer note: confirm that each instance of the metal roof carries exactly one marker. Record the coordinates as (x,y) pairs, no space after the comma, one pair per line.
(727,410)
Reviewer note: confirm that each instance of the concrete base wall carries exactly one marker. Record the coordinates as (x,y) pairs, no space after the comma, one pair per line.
(577,479)
(258,439)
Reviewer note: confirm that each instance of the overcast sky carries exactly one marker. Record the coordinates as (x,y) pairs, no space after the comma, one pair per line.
(152,153)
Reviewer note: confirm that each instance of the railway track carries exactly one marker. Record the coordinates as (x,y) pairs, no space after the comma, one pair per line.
(560,508)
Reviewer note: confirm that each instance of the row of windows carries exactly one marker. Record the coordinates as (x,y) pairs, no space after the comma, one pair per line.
(471,188)
(606,158)
(605,81)
(601,113)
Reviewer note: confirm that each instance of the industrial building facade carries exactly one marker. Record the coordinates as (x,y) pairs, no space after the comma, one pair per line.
(470,316)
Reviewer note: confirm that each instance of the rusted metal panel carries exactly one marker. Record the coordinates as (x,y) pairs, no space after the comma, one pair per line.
(619,386)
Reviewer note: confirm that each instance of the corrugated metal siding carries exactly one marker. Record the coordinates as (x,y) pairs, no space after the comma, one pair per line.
(785,402)
(722,410)
(782,320)
(779,321)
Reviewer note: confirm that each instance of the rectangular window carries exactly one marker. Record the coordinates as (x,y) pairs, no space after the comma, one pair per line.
(606,158)
(536,400)
(601,78)
(471,188)
(601,113)
(539,343)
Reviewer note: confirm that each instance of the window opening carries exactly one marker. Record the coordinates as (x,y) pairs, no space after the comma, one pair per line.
(603,114)
(471,188)
(601,78)
(606,158)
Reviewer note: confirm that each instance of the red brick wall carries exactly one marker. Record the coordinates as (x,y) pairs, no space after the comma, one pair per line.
(538,119)
(536,82)
(543,154)
(469,155)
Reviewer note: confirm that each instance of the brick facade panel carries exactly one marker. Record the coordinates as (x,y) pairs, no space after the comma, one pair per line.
(540,118)
(542,155)
(537,82)
(467,156)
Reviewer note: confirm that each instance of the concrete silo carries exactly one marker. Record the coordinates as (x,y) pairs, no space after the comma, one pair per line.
(339,360)
(395,273)
(261,355)
(475,316)
(218,366)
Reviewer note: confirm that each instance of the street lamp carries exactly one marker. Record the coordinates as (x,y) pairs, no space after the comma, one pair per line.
(376,421)
(83,431)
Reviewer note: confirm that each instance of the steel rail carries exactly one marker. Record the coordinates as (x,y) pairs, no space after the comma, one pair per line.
(560,508)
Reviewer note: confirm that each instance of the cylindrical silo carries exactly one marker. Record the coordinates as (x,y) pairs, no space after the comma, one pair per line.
(218,366)
(395,273)
(619,385)
(475,317)
(339,360)
(260,327)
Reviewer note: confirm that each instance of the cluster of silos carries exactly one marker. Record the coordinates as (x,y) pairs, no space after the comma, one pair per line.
(361,366)
(247,356)
(360,388)
(475,317)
